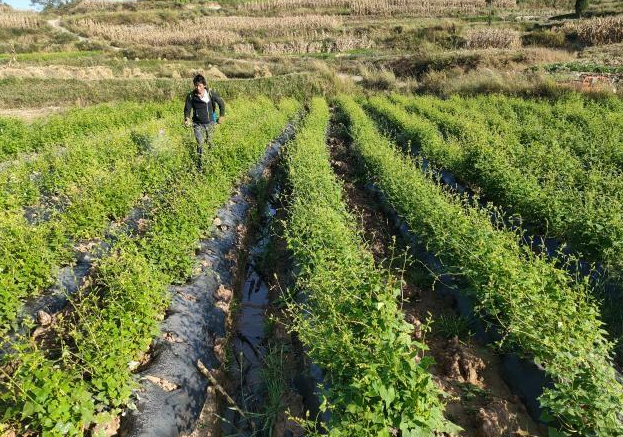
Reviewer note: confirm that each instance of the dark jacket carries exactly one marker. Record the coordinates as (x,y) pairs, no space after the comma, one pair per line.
(202,112)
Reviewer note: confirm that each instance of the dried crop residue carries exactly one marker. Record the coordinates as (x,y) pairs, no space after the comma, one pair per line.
(479,399)
(162,383)
(29,114)
(208,423)
(97,72)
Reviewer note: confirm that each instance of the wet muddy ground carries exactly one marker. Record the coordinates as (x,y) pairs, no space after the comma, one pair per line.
(264,381)
(269,373)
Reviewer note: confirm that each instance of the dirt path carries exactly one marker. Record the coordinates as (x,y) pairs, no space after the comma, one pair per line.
(260,359)
(479,399)
(56,24)
(29,115)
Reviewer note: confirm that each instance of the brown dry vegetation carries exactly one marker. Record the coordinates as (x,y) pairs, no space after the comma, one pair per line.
(384,7)
(99,5)
(493,38)
(90,73)
(273,24)
(172,34)
(210,31)
(333,45)
(597,31)
(19,20)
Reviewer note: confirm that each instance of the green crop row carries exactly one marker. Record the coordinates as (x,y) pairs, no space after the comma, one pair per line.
(85,377)
(570,137)
(541,312)
(52,173)
(539,178)
(591,130)
(549,187)
(54,130)
(98,181)
(349,320)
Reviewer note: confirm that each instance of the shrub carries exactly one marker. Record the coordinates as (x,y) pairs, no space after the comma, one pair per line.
(544,38)
(580,7)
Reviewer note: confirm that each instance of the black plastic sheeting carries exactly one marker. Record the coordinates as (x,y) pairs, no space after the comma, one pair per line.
(524,377)
(70,278)
(195,322)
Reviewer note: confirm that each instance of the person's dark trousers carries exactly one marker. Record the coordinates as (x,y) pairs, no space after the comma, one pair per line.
(203,135)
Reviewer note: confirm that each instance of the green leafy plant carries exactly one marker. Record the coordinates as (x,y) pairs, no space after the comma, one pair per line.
(116,315)
(543,171)
(580,7)
(553,165)
(540,310)
(80,191)
(452,326)
(349,320)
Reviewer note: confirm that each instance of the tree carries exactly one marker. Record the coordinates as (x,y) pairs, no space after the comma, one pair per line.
(490,5)
(49,4)
(580,7)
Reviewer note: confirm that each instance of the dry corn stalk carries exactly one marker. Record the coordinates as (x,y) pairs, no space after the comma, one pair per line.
(19,20)
(236,23)
(423,7)
(209,31)
(596,31)
(338,44)
(245,48)
(159,35)
(492,38)
(100,5)
(384,7)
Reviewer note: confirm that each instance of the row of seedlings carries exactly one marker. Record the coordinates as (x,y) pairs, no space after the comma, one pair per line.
(580,206)
(588,129)
(561,143)
(82,376)
(538,308)
(17,136)
(377,383)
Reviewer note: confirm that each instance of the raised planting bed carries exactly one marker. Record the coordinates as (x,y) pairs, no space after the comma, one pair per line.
(542,312)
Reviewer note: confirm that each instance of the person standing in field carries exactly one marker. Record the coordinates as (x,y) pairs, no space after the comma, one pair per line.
(202,103)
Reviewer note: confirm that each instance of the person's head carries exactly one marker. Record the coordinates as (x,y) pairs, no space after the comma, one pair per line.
(200,83)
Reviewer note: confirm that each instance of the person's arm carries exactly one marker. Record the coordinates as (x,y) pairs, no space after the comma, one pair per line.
(221,105)
(188,106)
